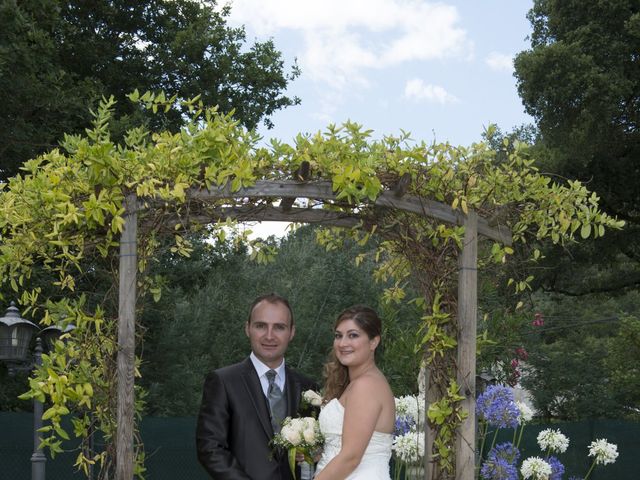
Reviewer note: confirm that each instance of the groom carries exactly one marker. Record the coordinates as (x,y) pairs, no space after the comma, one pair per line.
(236,422)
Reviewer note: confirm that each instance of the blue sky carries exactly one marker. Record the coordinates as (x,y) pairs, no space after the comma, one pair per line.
(440,70)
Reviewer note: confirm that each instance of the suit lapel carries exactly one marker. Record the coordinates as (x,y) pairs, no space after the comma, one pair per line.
(256,396)
(294,392)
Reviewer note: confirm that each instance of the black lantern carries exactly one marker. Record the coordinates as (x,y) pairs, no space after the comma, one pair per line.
(15,336)
(50,334)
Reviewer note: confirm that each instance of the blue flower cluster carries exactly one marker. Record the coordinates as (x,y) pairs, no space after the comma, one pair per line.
(404,424)
(507,451)
(501,463)
(557,469)
(497,407)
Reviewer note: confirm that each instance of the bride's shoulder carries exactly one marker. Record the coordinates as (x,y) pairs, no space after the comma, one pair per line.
(370,383)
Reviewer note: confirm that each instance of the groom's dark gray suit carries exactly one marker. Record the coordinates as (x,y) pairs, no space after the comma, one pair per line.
(234,427)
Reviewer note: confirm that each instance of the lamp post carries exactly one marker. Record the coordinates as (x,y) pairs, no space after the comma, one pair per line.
(15,338)
(38,460)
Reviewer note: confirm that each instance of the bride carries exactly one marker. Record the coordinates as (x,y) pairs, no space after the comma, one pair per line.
(358,417)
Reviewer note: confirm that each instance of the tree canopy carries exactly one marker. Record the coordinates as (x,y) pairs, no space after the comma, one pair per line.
(59,58)
(580,80)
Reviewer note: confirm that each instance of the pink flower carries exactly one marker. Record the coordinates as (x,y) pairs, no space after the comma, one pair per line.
(513,378)
(522,353)
(538,320)
(514,363)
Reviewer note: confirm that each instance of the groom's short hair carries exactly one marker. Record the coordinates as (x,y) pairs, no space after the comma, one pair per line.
(273,298)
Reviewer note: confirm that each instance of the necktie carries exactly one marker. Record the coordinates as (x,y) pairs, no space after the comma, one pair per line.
(276,401)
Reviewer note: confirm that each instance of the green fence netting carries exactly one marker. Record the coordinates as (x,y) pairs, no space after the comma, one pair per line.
(170,449)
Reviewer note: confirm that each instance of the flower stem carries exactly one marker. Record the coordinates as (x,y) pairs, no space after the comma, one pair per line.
(495,437)
(484,429)
(520,436)
(593,464)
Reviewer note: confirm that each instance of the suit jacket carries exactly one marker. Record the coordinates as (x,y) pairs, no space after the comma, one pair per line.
(234,427)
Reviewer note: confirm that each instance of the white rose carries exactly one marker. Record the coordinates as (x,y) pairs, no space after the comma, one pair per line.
(312,397)
(291,435)
(309,422)
(309,435)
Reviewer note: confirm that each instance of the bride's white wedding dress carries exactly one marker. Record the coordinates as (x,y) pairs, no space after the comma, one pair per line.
(375,461)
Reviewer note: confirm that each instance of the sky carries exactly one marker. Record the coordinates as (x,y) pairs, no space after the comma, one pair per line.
(442,71)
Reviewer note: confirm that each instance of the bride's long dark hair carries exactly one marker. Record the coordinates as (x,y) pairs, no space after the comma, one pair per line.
(337,375)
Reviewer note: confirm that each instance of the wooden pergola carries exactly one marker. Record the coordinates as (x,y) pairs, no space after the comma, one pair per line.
(238,208)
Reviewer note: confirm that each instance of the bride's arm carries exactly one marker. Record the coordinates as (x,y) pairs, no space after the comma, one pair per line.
(360,417)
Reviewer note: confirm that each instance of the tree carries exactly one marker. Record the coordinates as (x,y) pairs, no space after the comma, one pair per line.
(197,325)
(57,58)
(578,364)
(581,82)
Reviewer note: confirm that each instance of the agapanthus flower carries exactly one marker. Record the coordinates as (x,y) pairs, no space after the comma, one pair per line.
(506,451)
(526,412)
(553,441)
(603,451)
(411,406)
(409,448)
(498,469)
(497,407)
(535,468)
(557,468)
(403,425)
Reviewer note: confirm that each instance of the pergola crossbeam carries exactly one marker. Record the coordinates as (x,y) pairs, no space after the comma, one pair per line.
(324,191)
(269,213)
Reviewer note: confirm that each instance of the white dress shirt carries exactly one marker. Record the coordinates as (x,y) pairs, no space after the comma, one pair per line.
(262,369)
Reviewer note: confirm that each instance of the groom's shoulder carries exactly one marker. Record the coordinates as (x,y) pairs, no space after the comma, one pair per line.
(233,369)
(301,377)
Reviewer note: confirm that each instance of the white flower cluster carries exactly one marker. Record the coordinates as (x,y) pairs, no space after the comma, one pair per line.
(301,433)
(553,441)
(312,398)
(603,451)
(535,468)
(409,447)
(526,412)
(410,406)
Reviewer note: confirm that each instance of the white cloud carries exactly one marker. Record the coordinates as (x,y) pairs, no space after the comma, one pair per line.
(417,89)
(341,40)
(499,62)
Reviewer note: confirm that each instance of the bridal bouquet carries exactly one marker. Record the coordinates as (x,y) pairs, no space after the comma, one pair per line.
(299,435)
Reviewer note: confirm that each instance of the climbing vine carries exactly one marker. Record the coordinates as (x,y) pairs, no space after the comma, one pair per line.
(64,214)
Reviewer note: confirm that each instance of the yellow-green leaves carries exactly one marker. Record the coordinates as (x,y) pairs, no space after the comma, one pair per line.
(262,252)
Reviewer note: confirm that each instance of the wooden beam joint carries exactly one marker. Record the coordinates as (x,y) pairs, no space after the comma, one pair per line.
(300,175)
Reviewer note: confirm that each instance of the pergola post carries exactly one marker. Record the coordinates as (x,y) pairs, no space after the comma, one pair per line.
(126,340)
(467,320)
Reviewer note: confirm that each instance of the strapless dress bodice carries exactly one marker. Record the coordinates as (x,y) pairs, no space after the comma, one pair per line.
(375,461)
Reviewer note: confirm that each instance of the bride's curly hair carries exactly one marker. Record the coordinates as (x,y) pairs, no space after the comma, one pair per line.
(337,375)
